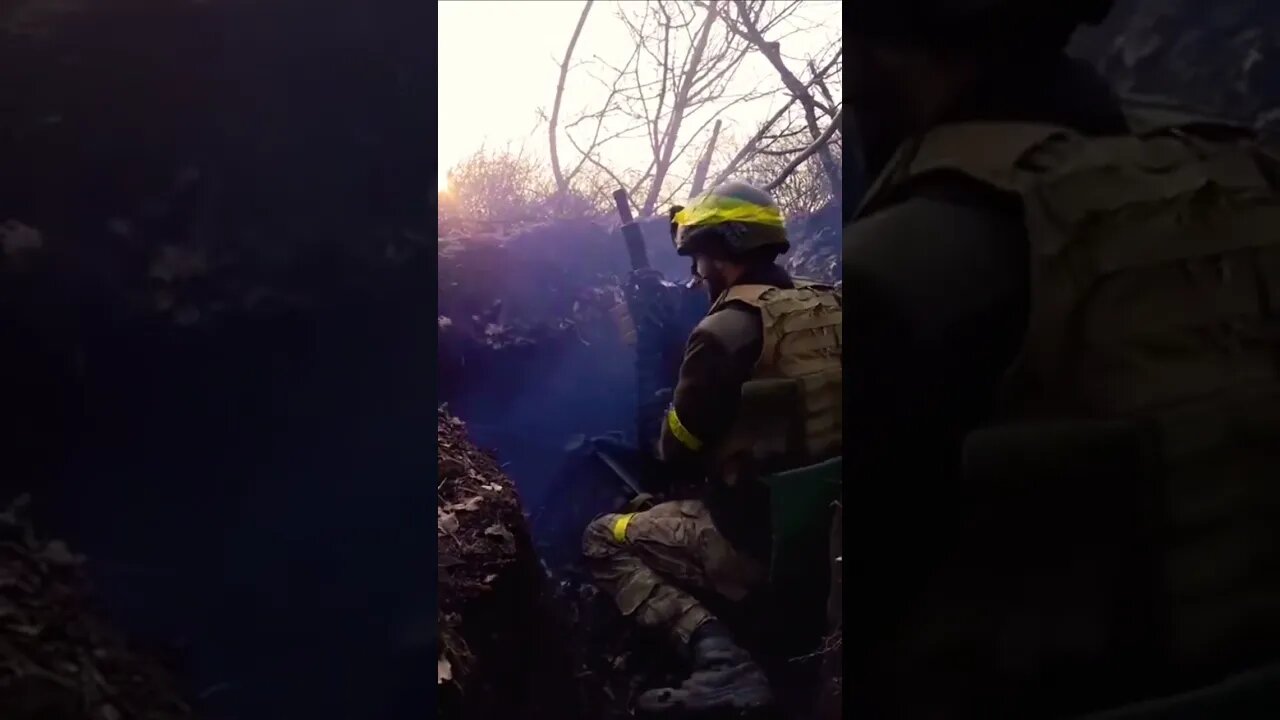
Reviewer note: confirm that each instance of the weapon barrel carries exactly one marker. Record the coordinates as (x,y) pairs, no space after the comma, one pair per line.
(623,474)
(624,207)
(631,234)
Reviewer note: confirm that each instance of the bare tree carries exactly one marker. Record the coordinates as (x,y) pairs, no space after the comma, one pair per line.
(781,127)
(677,84)
(665,140)
(704,164)
(669,93)
(796,180)
(562,182)
(503,186)
(746,24)
(820,147)
(495,185)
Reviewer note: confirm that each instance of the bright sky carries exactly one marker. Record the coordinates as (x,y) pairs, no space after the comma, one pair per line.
(499,61)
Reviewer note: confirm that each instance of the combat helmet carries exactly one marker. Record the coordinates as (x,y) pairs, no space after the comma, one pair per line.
(732,219)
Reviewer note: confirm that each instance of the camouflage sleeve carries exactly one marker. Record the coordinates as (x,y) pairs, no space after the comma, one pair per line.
(718,360)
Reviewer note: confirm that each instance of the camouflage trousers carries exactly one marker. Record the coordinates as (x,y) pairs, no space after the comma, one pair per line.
(649,563)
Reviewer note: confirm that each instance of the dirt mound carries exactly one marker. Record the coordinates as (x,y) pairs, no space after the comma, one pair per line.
(512,639)
(57,658)
(512,295)
(546,271)
(816,245)
(1214,58)
(502,650)
(475,516)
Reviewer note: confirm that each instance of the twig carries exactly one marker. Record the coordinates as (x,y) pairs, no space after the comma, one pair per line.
(831,643)
(817,145)
(747,27)
(562,184)
(700,174)
(745,151)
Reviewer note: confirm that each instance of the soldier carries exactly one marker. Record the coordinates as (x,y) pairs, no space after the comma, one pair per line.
(1052,316)
(758,393)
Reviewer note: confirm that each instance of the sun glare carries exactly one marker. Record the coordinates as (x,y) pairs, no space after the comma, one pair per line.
(442,181)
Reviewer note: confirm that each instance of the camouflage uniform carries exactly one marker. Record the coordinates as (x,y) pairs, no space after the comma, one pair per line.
(649,561)
(756,410)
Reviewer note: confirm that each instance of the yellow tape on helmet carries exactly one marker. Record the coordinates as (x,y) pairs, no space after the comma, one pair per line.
(716,209)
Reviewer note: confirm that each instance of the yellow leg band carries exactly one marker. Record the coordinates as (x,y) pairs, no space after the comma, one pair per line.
(620,527)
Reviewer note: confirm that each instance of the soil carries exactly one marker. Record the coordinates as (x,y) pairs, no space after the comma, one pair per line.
(214,303)
(1213,58)
(58,659)
(515,637)
(528,296)
(501,653)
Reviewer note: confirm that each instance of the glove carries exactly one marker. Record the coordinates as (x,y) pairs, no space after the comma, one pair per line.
(651,416)
(640,503)
(663,397)
(646,278)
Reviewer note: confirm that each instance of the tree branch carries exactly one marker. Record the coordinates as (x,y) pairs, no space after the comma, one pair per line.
(678,106)
(817,146)
(700,173)
(562,184)
(746,26)
(745,151)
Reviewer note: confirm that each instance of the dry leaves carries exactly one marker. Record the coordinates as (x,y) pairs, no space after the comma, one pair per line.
(17,238)
(469,505)
(176,262)
(56,658)
(476,511)
(477,522)
(446,523)
(498,531)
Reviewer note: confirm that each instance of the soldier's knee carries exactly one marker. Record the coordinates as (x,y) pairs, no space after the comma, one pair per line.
(601,538)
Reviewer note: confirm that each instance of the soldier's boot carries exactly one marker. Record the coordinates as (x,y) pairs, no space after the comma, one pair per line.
(724,678)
